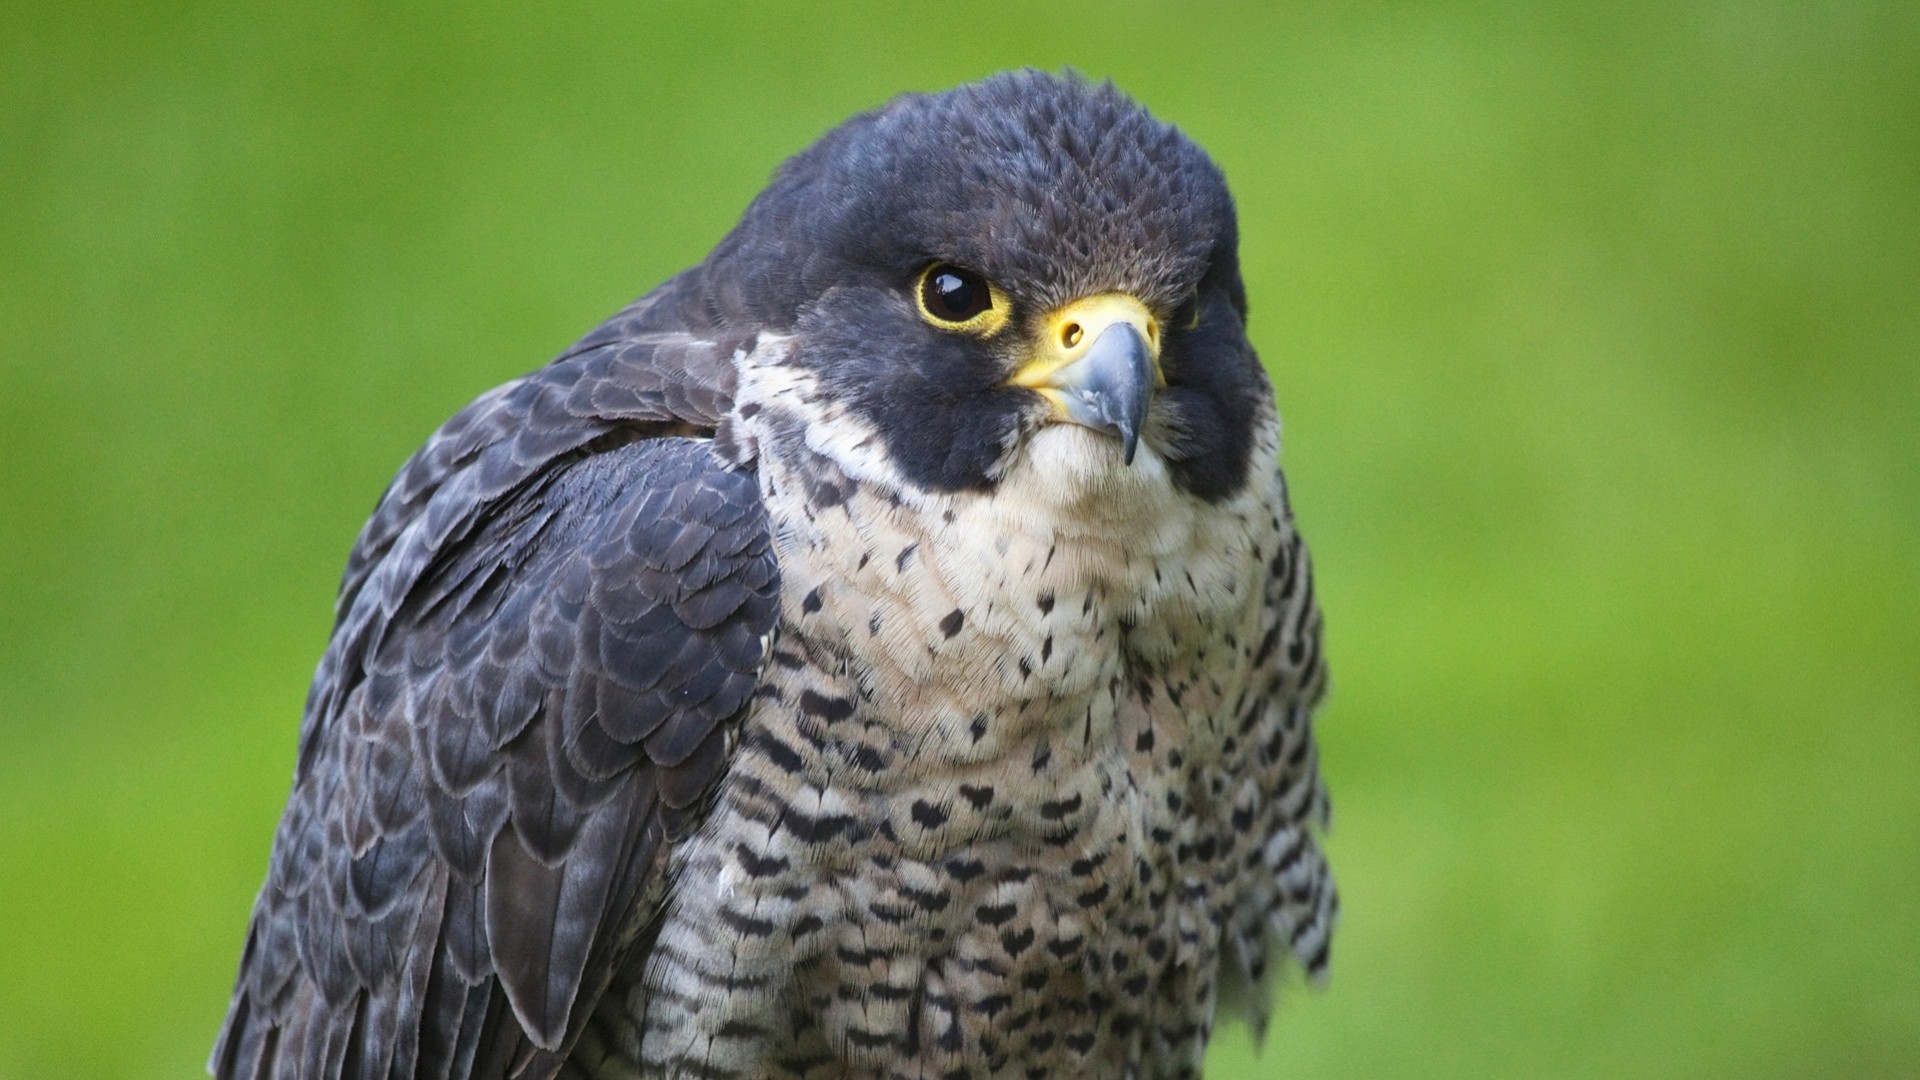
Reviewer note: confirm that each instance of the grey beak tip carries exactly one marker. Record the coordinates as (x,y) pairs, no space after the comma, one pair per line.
(1114,386)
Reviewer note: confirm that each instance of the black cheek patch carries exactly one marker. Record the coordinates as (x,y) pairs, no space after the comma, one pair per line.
(1215,388)
(935,399)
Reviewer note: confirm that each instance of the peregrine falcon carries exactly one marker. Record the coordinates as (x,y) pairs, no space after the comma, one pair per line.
(882,650)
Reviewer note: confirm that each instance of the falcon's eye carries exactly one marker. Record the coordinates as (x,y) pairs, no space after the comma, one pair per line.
(956,299)
(953,295)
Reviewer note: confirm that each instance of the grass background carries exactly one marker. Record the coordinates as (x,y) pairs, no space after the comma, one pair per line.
(1595,328)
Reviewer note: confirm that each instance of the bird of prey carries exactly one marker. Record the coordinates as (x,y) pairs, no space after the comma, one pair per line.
(882,650)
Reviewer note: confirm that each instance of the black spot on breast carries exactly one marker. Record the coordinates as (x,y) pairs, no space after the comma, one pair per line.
(930,900)
(927,815)
(829,709)
(953,622)
(1055,809)
(995,914)
(964,869)
(819,830)
(825,487)
(757,865)
(784,757)
(1267,644)
(1066,946)
(746,925)
(993,1003)
(811,603)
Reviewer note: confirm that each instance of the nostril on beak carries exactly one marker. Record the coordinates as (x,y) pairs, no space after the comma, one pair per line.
(1070,334)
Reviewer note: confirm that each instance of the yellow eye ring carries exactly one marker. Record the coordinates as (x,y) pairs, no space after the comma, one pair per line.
(957,299)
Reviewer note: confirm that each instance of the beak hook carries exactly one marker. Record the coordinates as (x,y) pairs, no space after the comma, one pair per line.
(1110,386)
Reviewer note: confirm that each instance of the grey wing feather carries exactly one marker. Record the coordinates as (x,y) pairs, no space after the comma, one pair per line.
(1307,905)
(1295,904)
(544,635)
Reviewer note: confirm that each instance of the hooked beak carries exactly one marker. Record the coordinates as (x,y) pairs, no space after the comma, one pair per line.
(1097,362)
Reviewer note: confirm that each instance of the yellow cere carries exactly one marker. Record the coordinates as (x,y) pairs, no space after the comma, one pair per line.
(1070,330)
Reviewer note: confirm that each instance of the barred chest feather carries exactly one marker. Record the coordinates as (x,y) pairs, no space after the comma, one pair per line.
(1026,765)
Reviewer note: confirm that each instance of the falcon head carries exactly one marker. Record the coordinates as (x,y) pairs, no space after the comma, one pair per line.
(979,272)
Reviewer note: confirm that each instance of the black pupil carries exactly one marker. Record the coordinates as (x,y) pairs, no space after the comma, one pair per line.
(956,295)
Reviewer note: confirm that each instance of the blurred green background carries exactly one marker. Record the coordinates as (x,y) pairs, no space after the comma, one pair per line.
(1596,329)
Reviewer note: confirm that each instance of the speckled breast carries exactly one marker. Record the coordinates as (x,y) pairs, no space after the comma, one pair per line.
(993,810)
